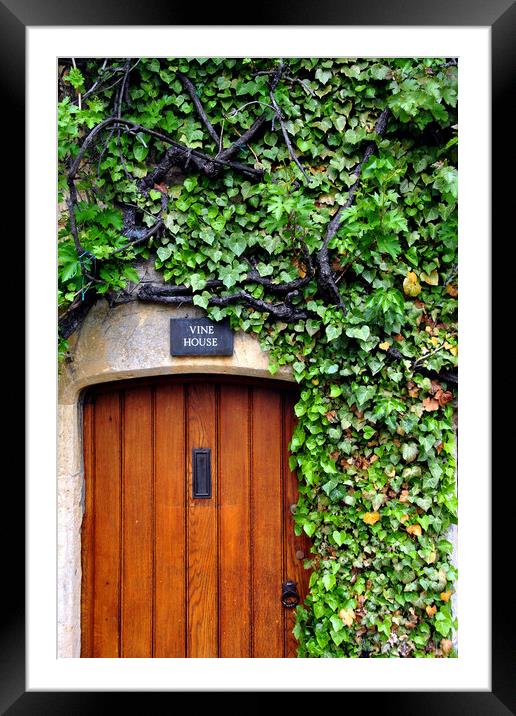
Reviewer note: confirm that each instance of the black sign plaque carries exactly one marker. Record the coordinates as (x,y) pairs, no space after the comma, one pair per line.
(200,337)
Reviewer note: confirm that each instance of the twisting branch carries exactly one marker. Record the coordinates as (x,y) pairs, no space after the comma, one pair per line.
(318,266)
(159,293)
(118,112)
(184,154)
(244,139)
(450,375)
(189,87)
(74,316)
(325,278)
(333,226)
(177,155)
(290,288)
(154,229)
(281,121)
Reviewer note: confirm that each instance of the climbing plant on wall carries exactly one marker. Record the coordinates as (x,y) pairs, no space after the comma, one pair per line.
(312,202)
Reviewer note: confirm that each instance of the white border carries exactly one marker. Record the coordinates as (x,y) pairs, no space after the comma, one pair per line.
(471,670)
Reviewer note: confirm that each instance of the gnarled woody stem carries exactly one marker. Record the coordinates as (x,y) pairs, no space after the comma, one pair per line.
(325,278)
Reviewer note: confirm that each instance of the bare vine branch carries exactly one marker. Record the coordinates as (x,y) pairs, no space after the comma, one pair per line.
(192,92)
(159,293)
(280,118)
(325,277)
(450,375)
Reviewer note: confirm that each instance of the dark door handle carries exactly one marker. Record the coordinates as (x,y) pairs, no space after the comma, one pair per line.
(289,594)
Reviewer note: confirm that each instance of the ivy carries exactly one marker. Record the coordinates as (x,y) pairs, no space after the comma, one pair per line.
(313,203)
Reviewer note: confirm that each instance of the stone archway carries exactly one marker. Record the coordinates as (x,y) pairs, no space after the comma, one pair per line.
(129,341)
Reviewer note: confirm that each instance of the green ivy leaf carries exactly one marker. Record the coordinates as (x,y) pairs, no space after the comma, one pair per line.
(164,252)
(333,332)
(328,581)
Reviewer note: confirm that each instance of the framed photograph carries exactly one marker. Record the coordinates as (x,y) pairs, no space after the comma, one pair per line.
(70,639)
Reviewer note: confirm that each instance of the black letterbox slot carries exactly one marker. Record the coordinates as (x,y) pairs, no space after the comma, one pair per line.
(201,463)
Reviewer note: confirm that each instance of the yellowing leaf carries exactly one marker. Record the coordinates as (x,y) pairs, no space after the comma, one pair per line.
(432,556)
(371,518)
(445,596)
(415,530)
(404,518)
(453,291)
(431,611)
(347,616)
(384,346)
(327,199)
(453,350)
(434,341)
(431,278)
(411,285)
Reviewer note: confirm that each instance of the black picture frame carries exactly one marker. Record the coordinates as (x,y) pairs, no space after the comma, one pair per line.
(500,16)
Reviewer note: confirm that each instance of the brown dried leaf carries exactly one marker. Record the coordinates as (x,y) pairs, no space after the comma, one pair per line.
(404,496)
(430,404)
(445,397)
(446,646)
(435,386)
(413,389)
(301,268)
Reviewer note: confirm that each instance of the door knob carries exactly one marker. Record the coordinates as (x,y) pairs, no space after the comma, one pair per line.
(289,594)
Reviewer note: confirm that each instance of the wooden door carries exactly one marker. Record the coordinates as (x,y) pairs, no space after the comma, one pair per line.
(166,574)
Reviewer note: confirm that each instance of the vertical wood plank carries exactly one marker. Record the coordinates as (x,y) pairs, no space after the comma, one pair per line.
(267,524)
(297,549)
(234,538)
(137,531)
(106,504)
(202,587)
(170,593)
(87,533)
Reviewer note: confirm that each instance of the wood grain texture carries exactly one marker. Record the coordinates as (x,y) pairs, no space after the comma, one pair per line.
(137,530)
(201,537)
(170,515)
(267,524)
(167,575)
(234,523)
(107,480)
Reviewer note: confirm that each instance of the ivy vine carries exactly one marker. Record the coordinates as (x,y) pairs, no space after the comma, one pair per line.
(313,202)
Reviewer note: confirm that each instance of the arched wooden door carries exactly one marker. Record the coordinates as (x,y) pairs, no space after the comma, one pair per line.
(169,574)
